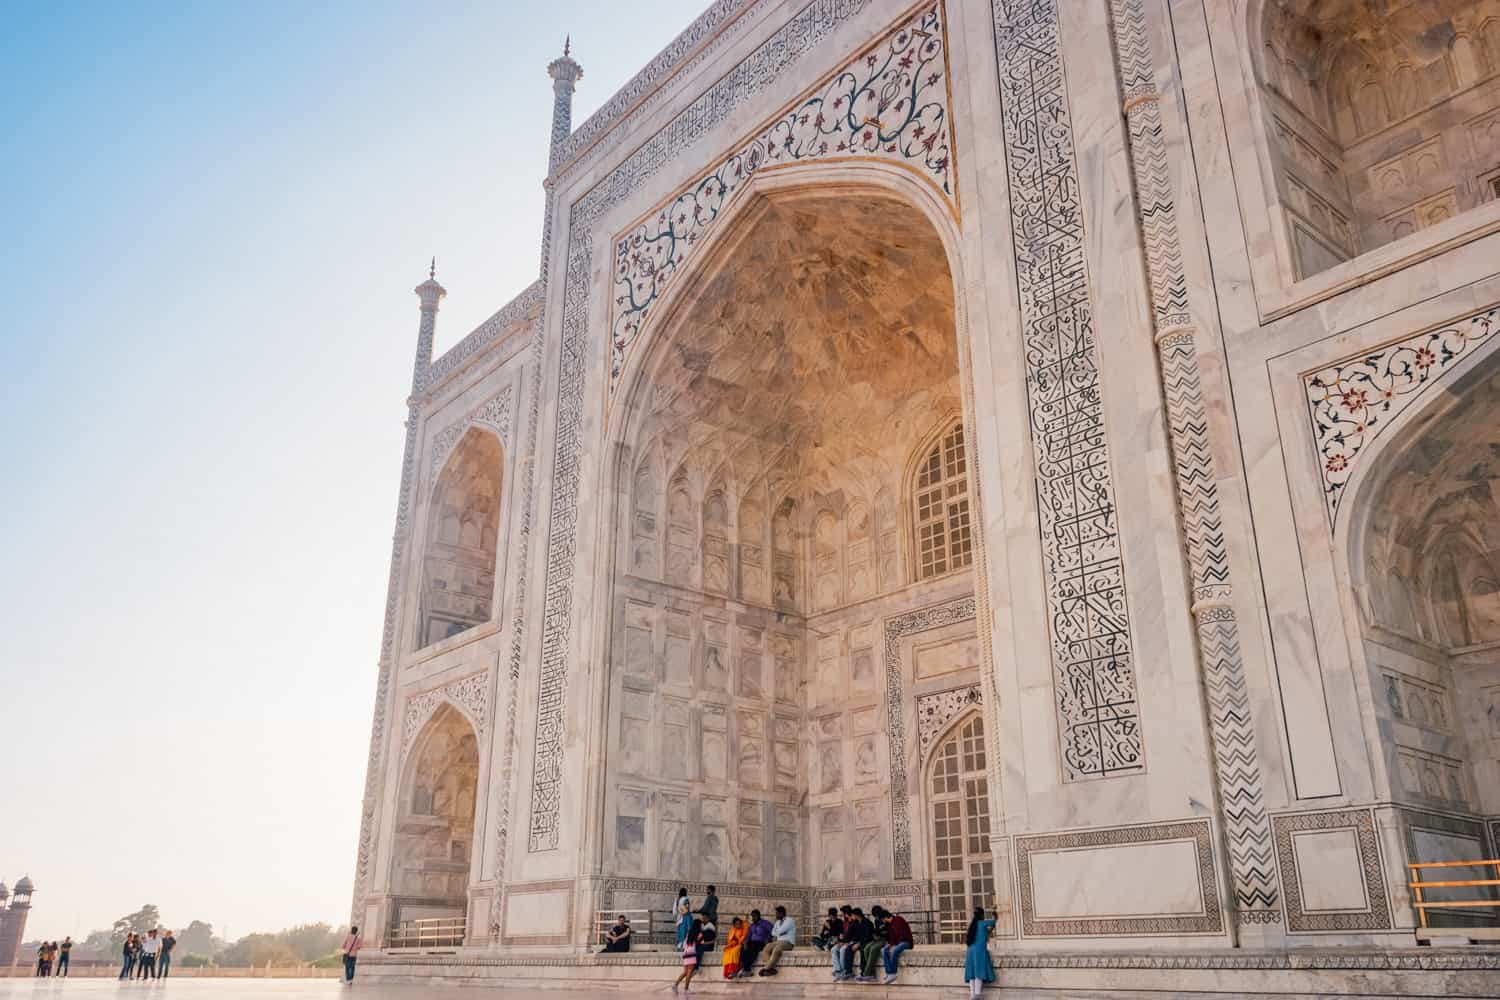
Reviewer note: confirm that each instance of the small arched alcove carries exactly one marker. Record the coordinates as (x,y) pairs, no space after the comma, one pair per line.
(1383,119)
(435,818)
(458,566)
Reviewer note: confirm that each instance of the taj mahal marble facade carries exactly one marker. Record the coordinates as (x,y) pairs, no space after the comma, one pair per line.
(1032,452)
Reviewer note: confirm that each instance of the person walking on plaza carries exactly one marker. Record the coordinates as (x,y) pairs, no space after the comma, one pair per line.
(898,939)
(734,944)
(690,948)
(783,940)
(978,969)
(150,948)
(350,951)
(683,908)
(164,961)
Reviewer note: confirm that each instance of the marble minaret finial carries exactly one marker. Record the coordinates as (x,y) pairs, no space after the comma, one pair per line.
(565,73)
(431,293)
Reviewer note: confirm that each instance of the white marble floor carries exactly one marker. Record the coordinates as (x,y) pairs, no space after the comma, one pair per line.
(325,989)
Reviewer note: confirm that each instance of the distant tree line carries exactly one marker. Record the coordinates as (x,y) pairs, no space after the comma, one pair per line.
(197,945)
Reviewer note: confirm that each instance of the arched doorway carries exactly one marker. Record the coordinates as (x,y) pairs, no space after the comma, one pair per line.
(458,564)
(767,527)
(1424,543)
(959,812)
(435,830)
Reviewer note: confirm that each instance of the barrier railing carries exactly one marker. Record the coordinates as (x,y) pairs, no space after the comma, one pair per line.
(432,932)
(643,929)
(1487,891)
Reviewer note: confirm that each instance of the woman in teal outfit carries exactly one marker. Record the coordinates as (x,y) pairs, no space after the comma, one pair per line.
(978,969)
(682,909)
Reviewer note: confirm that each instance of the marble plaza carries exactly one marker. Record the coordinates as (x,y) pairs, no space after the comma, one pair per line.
(1021,453)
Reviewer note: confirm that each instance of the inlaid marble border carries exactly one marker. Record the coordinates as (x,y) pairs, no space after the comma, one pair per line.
(1362,822)
(1094,687)
(1209,921)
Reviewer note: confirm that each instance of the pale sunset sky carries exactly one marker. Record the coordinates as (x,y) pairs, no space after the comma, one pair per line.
(214,215)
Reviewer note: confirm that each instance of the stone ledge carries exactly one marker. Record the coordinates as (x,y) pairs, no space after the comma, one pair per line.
(1477,959)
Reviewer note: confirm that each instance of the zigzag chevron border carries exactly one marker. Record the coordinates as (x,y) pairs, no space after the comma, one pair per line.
(1252,853)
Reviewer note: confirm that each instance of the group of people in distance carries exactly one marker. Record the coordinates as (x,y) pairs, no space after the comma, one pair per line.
(855,941)
(147,956)
(52,953)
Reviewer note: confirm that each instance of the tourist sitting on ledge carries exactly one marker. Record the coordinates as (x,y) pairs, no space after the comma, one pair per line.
(617,938)
(898,939)
(828,934)
(755,942)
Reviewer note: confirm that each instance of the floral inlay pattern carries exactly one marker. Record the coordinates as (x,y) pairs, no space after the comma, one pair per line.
(1351,401)
(890,103)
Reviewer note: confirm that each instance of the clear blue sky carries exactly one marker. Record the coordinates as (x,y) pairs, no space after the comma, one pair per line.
(213,217)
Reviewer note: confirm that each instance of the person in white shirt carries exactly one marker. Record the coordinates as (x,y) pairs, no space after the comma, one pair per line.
(783,940)
(149,949)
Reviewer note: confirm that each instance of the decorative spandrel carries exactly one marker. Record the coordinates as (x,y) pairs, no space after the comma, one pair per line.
(1353,400)
(890,103)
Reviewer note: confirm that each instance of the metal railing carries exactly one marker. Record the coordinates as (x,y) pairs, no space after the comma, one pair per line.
(643,929)
(432,932)
(1462,908)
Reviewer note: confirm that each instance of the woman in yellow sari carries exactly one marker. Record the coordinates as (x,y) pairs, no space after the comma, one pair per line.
(737,932)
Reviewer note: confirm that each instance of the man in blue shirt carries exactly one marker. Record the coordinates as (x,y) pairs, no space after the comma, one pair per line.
(755,942)
(783,939)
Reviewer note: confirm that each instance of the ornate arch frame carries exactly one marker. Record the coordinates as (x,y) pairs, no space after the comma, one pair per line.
(817,179)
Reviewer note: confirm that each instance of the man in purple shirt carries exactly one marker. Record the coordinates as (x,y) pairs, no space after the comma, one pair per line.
(755,942)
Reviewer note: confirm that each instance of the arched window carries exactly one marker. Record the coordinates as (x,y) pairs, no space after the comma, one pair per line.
(963,868)
(940,507)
